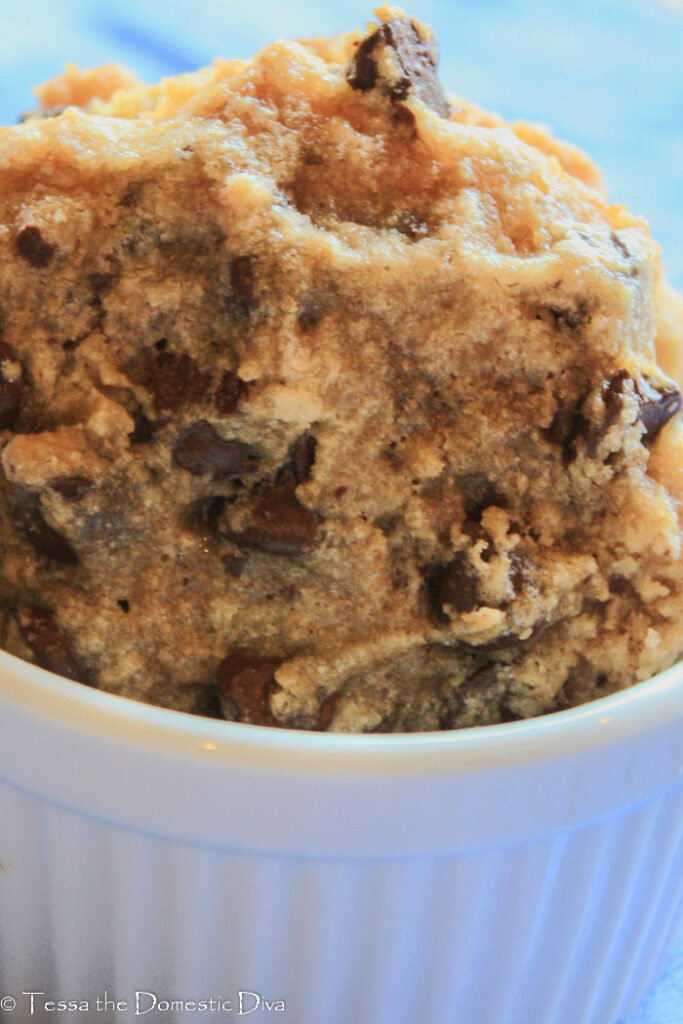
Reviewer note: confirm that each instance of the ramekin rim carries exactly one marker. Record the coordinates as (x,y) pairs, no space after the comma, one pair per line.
(628,712)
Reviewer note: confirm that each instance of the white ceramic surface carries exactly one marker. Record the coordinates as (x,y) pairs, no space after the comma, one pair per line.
(529,873)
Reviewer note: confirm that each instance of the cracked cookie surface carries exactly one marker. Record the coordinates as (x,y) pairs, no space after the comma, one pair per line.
(329,401)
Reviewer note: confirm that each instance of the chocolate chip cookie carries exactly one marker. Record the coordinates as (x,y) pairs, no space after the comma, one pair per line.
(328,400)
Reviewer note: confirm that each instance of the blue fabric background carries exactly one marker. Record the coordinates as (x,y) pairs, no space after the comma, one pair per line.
(605,74)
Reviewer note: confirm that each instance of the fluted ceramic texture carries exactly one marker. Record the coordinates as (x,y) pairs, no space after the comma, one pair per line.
(565,929)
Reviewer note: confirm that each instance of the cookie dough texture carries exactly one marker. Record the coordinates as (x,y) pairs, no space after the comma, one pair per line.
(329,401)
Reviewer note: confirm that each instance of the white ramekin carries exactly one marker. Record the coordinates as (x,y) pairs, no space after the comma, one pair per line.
(528,873)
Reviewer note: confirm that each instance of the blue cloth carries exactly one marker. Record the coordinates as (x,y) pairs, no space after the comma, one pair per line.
(605,74)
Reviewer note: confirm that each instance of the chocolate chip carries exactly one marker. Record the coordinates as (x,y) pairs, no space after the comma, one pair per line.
(245,682)
(388,523)
(206,703)
(657,406)
(124,605)
(29,519)
(42,113)
(277,523)
(144,428)
(101,284)
(302,457)
(203,515)
(203,452)
(622,587)
(415,59)
(455,584)
(613,395)
(618,244)
(71,487)
(311,313)
(504,642)
(571,319)
(518,572)
(362,73)
(229,393)
(235,565)
(242,284)
(478,493)
(11,384)
(327,712)
(132,194)
(161,344)
(570,423)
(176,380)
(51,648)
(567,425)
(613,402)
(33,248)
(484,680)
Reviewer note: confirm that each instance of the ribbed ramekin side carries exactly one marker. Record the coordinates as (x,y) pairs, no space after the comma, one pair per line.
(26,953)
(565,929)
(612,892)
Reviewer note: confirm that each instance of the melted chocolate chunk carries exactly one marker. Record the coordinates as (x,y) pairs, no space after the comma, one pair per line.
(455,584)
(33,248)
(11,385)
(203,452)
(229,393)
(415,59)
(71,487)
(51,648)
(302,457)
(277,523)
(244,683)
(242,284)
(29,519)
(176,380)
(362,73)
(657,406)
